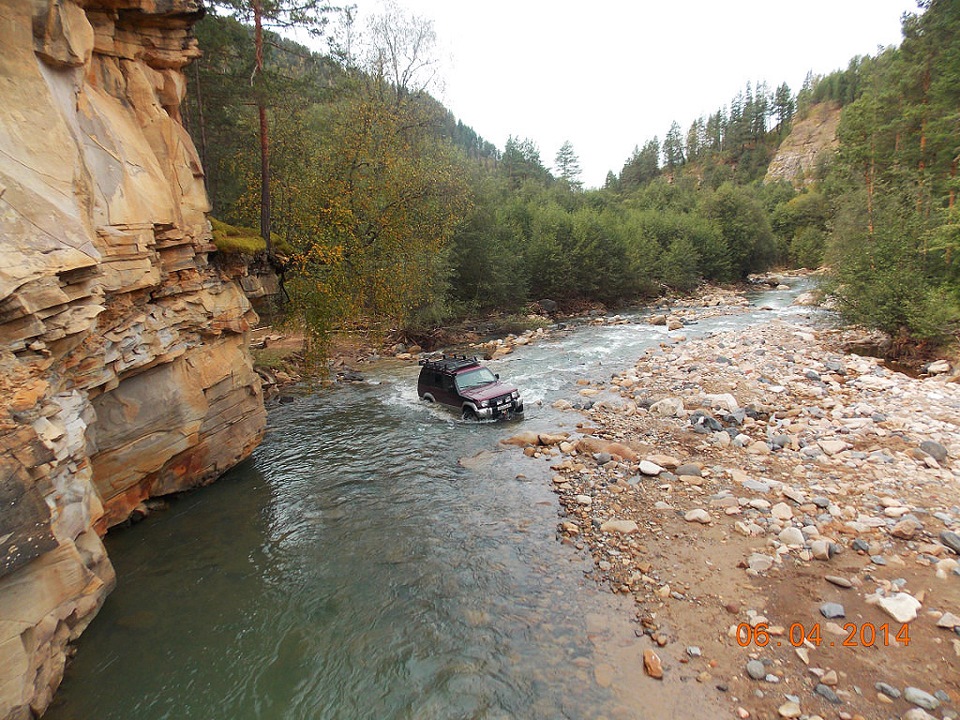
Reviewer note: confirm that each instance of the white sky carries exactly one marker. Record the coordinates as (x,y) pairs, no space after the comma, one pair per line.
(608,75)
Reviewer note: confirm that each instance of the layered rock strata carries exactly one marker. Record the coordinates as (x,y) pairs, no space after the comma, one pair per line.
(123,365)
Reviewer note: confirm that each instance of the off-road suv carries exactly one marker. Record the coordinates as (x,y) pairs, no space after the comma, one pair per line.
(465,384)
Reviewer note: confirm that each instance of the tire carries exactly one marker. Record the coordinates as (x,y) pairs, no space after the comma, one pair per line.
(427,398)
(469,414)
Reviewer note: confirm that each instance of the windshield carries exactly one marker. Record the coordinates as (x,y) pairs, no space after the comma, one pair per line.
(475,378)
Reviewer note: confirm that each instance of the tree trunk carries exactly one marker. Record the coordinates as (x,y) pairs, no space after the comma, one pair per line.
(922,164)
(264,133)
(203,133)
(953,189)
(264,178)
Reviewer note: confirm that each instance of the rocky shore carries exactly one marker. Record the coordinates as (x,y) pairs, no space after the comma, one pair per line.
(785,516)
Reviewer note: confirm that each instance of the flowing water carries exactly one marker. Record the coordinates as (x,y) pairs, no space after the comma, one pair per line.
(375,558)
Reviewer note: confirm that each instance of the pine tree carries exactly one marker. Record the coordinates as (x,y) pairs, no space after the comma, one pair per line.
(567,165)
(308,14)
(673,156)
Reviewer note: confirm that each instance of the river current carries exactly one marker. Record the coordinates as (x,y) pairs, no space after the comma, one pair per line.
(375,558)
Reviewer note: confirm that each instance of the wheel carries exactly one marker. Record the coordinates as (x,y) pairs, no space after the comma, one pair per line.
(469,414)
(428,398)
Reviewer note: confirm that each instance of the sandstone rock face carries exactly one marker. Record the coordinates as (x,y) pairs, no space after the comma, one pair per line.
(123,364)
(810,139)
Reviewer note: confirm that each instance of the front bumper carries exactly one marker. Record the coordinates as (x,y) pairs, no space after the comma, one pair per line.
(506,411)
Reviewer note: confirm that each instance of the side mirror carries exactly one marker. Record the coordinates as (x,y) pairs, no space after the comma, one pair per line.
(497,376)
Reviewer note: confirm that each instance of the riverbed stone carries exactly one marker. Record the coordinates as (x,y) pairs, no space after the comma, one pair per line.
(650,468)
(832,447)
(838,581)
(688,469)
(918,714)
(920,698)
(889,690)
(951,540)
(758,562)
(668,407)
(791,536)
(622,527)
(934,449)
(905,529)
(821,549)
(827,693)
(948,621)
(698,515)
(756,670)
(832,610)
(789,709)
(652,664)
(782,511)
(901,606)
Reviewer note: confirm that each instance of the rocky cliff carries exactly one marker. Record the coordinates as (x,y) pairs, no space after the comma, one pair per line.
(123,364)
(812,139)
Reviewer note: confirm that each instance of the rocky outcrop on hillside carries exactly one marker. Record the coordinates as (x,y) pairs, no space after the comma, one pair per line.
(124,371)
(811,139)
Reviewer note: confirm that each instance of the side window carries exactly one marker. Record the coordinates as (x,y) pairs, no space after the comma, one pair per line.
(448,383)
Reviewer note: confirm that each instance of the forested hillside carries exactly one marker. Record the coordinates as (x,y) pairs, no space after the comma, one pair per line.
(389,213)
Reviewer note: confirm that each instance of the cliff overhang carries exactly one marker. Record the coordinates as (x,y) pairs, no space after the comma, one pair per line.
(124,370)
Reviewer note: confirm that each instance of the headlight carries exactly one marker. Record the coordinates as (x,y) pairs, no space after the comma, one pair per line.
(515,394)
(484,403)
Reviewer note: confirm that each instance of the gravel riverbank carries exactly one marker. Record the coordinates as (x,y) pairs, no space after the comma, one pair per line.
(785,516)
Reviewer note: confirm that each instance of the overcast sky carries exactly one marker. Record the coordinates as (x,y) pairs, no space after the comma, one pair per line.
(608,75)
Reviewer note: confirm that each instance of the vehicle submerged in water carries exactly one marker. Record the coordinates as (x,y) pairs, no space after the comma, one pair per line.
(463,383)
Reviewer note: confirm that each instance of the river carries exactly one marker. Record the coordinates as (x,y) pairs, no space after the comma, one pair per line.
(375,558)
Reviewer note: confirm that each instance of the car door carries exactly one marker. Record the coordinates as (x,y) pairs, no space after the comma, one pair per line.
(448,391)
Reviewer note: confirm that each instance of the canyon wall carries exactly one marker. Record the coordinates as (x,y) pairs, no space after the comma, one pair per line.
(124,370)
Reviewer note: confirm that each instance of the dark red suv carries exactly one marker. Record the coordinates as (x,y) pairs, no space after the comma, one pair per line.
(465,384)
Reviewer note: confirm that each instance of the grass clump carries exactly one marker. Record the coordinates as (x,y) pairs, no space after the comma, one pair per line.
(232,239)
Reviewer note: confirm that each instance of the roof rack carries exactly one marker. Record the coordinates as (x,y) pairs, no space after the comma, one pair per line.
(449,363)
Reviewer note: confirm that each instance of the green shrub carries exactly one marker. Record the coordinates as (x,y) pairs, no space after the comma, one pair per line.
(806,248)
